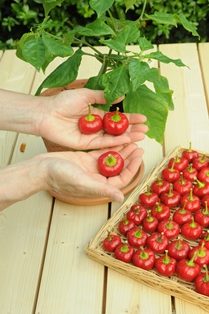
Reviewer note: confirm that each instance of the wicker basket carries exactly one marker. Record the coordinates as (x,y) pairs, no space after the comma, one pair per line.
(173,285)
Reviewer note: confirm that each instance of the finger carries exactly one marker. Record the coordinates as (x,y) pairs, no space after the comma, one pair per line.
(105,189)
(136,118)
(139,128)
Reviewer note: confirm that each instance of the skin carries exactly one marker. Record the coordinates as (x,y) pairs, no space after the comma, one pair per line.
(56,119)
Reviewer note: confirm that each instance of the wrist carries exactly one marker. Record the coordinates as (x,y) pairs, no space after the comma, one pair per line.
(21,112)
(21,180)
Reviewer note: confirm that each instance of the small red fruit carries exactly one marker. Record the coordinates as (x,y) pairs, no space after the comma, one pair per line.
(178,249)
(136,237)
(187,269)
(191,230)
(179,163)
(110,164)
(203,175)
(190,173)
(137,213)
(170,228)
(148,199)
(158,242)
(91,123)
(202,216)
(170,198)
(182,185)
(125,225)
(115,123)
(161,211)
(200,162)
(190,201)
(144,258)
(150,223)
(189,153)
(124,252)
(182,215)
(201,189)
(159,186)
(111,242)
(202,283)
(165,265)
(201,254)
(170,174)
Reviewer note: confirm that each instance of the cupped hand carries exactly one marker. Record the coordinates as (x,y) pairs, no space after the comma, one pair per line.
(75,174)
(59,121)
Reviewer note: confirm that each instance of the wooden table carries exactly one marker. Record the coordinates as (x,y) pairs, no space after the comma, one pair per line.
(43,266)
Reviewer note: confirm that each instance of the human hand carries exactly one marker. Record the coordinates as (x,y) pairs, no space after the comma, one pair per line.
(59,121)
(75,174)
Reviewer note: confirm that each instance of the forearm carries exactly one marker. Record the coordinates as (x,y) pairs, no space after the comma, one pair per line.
(20,112)
(19,181)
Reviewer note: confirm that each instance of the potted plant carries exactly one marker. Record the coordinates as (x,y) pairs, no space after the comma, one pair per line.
(122,72)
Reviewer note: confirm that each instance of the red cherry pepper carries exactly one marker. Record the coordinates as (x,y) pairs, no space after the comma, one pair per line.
(201,188)
(136,237)
(110,164)
(171,198)
(115,123)
(161,211)
(202,216)
(148,199)
(206,240)
(124,252)
(201,254)
(200,162)
(179,163)
(159,186)
(150,223)
(203,175)
(202,283)
(191,230)
(144,258)
(170,174)
(182,215)
(190,201)
(170,228)
(178,249)
(190,173)
(182,186)
(91,123)
(158,242)
(165,265)
(125,225)
(111,242)
(189,153)
(137,213)
(205,200)
(187,269)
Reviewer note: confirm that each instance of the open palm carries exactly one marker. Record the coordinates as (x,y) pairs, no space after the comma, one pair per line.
(60,116)
(76,173)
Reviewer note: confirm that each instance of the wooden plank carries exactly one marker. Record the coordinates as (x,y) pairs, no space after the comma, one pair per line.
(71,282)
(16,75)
(23,234)
(189,120)
(204,63)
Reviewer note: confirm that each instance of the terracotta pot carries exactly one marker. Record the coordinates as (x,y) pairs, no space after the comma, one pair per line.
(50,146)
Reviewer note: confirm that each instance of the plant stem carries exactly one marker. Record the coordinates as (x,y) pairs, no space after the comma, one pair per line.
(143,10)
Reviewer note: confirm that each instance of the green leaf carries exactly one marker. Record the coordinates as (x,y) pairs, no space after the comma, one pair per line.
(145,44)
(130,3)
(31,49)
(53,48)
(189,26)
(64,74)
(101,6)
(49,4)
(116,83)
(152,105)
(96,28)
(138,72)
(95,83)
(161,86)
(163,18)
(157,55)
(129,34)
